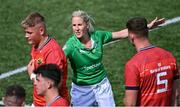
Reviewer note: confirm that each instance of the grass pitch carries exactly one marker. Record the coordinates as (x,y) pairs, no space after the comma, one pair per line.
(110,15)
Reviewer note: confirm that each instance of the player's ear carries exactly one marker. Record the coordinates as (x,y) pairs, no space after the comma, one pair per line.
(131,34)
(41,29)
(23,104)
(50,84)
(88,27)
(3,99)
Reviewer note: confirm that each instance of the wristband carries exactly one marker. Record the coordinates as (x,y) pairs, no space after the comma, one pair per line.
(32,76)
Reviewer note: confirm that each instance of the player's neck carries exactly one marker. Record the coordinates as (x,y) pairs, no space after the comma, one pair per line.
(51,95)
(43,42)
(142,44)
(86,40)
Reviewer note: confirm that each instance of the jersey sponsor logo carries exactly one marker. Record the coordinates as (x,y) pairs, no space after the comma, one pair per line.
(92,66)
(163,68)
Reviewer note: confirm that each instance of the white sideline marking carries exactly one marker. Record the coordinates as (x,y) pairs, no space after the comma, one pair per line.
(21,69)
(1,103)
(7,74)
(171,21)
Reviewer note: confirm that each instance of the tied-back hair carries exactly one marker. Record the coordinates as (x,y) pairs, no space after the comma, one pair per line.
(88,19)
(32,20)
(138,25)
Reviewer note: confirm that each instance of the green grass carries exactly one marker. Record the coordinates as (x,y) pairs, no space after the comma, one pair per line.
(110,15)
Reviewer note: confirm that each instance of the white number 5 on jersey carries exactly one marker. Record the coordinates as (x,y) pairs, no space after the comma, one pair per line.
(163,81)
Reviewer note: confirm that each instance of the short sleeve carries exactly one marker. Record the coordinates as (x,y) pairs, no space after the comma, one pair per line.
(55,56)
(132,78)
(67,50)
(104,36)
(176,72)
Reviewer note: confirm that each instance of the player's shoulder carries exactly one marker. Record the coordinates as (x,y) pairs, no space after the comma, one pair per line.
(135,59)
(53,42)
(53,45)
(70,43)
(61,102)
(132,60)
(165,52)
(71,40)
(99,32)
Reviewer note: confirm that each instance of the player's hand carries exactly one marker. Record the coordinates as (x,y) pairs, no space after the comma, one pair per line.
(30,67)
(157,21)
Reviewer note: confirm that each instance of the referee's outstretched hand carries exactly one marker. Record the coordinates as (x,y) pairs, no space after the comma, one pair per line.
(157,21)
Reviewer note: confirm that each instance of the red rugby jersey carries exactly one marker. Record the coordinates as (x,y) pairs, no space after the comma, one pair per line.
(50,53)
(59,102)
(152,72)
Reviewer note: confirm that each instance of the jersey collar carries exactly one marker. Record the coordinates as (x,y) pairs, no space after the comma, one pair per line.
(146,48)
(46,42)
(82,46)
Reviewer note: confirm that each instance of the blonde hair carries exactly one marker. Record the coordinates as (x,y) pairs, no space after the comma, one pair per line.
(89,20)
(32,20)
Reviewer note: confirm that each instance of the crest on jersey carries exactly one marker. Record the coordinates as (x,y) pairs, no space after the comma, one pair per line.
(39,61)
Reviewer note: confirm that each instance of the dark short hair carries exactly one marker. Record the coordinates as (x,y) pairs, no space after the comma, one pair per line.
(50,71)
(138,25)
(32,20)
(16,90)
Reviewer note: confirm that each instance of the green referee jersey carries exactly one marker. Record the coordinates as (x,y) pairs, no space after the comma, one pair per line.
(87,63)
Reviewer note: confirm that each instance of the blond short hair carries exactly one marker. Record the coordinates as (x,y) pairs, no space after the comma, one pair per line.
(32,20)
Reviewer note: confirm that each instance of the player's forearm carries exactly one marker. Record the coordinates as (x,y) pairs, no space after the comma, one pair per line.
(130,98)
(129,102)
(155,23)
(175,93)
(120,34)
